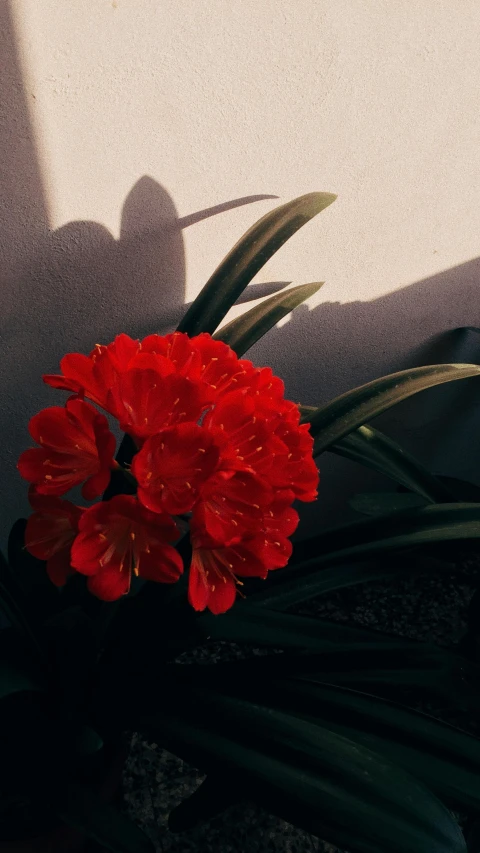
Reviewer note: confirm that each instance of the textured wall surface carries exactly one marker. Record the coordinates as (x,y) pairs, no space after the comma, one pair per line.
(130,130)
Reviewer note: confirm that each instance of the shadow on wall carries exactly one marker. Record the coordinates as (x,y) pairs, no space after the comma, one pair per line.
(65,290)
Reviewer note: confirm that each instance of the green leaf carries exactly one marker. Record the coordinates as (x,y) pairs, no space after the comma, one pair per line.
(15,607)
(18,672)
(241,334)
(327,784)
(380,666)
(87,741)
(370,447)
(445,758)
(307,575)
(334,420)
(367,660)
(461,490)
(79,807)
(246,258)
(383,503)
(258,626)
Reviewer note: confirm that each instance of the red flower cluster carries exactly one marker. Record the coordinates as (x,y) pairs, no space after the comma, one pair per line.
(215,439)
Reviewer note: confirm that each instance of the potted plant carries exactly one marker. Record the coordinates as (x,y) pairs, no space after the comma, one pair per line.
(188,539)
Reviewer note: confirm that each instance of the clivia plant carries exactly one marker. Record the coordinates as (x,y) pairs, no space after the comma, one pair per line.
(183,536)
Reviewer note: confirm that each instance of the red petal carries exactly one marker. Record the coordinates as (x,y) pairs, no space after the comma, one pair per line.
(58,567)
(56,380)
(51,428)
(222,598)
(96,485)
(218,596)
(171,467)
(229,506)
(150,402)
(198,590)
(109,584)
(163,565)
(122,351)
(275,551)
(52,528)
(87,551)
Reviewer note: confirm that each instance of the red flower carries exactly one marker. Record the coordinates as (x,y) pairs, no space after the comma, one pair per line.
(216,438)
(50,532)
(296,469)
(213,581)
(215,568)
(220,367)
(148,402)
(76,446)
(95,375)
(171,467)
(231,504)
(118,537)
(280,520)
(177,349)
(247,441)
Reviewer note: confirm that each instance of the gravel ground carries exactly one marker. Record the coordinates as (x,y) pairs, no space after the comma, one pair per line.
(429,608)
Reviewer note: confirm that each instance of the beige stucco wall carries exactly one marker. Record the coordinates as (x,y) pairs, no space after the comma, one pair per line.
(122,119)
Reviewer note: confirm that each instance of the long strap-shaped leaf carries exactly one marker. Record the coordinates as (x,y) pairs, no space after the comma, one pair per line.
(336,419)
(372,448)
(259,626)
(445,758)
(14,606)
(246,258)
(241,334)
(307,577)
(365,660)
(313,777)
(374,667)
